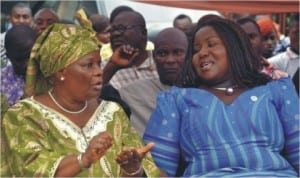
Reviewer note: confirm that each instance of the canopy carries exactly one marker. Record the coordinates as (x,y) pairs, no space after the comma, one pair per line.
(253,7)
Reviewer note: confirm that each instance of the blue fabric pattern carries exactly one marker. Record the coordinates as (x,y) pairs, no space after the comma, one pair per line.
(256,135)
(12,85)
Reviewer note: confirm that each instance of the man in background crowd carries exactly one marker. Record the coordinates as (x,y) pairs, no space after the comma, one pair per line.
(288,60)
(20,14)
(44,18)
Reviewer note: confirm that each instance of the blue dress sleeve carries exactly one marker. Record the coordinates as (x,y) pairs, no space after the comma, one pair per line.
(287,104)
(163,129)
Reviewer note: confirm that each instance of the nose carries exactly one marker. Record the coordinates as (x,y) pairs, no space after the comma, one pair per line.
(22,20)
(44,25)
(98,70)
(170,58)
(203,52)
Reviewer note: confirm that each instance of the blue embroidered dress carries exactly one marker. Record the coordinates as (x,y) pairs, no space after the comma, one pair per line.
(256,135)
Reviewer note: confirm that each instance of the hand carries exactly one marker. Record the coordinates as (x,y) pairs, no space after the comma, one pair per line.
(98,146)
(130,159)
(277,74)
(124,56)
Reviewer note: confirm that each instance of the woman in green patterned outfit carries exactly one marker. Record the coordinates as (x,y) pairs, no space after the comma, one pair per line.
(61,129)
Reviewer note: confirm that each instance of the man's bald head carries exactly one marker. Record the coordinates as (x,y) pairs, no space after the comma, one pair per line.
(170,35)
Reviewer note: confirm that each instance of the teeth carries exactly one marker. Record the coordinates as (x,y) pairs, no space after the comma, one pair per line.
(204,64)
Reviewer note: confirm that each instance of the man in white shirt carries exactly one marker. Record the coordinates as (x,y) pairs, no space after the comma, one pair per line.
(288,61)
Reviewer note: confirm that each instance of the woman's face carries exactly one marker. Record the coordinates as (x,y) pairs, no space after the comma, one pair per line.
(210,57)
(83,79)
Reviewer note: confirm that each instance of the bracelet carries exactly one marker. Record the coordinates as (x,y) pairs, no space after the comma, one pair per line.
(80,162)
(135,172)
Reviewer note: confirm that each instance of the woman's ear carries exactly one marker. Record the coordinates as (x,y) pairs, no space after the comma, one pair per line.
(59,76)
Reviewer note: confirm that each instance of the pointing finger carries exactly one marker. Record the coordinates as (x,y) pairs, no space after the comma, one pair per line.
(142,151)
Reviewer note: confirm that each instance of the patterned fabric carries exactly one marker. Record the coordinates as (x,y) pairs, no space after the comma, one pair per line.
(59,46)
(39,138)
(256,135)
(12,85)
(4,169)
(4,104)
(4,61)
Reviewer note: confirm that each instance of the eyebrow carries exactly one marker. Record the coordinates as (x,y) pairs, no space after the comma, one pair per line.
(212,37)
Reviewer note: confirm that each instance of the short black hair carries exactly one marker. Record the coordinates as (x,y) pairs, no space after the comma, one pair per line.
(118,10)
(21,5)
(18,43)
(99,22)
(181,16)
(244,20)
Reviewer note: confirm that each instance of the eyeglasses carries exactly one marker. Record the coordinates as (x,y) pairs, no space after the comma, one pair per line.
(121,28)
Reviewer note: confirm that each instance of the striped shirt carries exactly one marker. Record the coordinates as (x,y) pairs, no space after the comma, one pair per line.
(124,77)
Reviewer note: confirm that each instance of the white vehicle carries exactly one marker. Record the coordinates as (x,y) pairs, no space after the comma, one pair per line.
(157,17)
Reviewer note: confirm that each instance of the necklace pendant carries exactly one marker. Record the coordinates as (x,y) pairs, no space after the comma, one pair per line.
(229,91)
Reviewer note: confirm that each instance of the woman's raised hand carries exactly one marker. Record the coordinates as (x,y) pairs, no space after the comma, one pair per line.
(130,159)
(98,146)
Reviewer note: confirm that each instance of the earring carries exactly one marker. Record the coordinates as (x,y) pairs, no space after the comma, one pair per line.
(62,78)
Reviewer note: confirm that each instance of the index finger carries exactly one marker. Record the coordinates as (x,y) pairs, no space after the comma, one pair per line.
(142,151)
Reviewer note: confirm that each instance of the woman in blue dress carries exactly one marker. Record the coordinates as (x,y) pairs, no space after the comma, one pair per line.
(227,118)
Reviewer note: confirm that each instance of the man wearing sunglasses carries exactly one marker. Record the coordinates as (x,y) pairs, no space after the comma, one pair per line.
(130,60)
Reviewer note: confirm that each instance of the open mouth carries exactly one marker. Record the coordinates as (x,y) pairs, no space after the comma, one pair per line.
(206,65)
(98,86)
